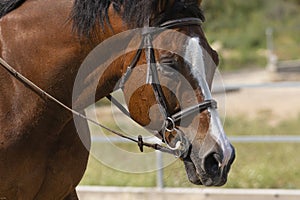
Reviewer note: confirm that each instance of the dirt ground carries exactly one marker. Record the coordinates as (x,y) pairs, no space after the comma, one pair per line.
(278,102)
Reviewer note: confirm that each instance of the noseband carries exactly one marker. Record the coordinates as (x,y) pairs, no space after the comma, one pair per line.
(170,121)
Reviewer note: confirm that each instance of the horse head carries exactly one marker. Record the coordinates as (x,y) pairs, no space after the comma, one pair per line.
(185,65)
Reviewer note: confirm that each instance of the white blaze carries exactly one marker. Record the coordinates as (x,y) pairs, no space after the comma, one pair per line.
(194,55)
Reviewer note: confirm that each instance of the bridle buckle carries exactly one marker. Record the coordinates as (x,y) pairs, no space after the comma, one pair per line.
(169,125)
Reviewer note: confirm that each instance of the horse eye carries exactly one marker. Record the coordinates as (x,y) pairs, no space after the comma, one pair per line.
(167,61)
(169,64)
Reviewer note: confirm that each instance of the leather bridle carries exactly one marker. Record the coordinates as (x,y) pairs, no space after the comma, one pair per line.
(182,146)
(170,120)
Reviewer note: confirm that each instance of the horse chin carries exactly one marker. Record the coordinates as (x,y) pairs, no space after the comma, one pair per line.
(191,172)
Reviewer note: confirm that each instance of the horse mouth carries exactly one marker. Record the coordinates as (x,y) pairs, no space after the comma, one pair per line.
(211,175)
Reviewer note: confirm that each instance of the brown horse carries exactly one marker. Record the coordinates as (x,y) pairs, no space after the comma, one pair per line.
(41,154)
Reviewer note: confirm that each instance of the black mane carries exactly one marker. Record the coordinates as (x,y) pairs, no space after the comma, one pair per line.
(8,5)
(87,14)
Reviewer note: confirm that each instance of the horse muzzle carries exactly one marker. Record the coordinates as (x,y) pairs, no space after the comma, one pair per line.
(212,170)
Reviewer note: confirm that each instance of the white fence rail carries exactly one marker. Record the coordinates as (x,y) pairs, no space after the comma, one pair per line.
(129,193)
(238,139)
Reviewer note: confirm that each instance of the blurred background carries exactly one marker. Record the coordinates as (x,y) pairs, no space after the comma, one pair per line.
(259,47)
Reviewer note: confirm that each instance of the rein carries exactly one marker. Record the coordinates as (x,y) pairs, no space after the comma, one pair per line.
(181,148)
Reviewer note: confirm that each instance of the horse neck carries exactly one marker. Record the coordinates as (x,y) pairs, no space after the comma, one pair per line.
(43,47)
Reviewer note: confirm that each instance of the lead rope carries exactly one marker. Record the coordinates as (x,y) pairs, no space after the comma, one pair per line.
(46,95)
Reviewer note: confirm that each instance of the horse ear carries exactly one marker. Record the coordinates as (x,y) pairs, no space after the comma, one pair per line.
(162,5)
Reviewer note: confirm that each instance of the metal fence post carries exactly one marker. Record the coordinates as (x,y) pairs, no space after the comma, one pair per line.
(160,172)
(272,58)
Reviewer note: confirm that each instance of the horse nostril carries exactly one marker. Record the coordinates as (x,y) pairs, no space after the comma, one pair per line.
(212,164)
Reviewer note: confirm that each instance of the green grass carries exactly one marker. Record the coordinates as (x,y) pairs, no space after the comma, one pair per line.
(262,165)
(257,165)
(99,174)
(261,126)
